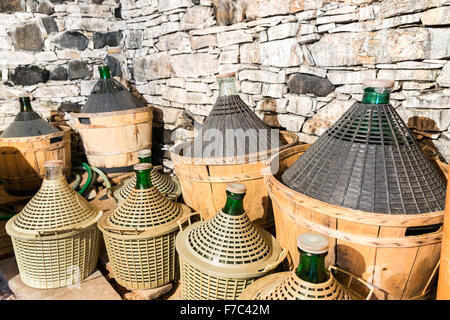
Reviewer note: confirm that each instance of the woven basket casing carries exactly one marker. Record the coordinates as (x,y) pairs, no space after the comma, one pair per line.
(220,257)
(55,237)
(140,239)
(168,186)
(288,286)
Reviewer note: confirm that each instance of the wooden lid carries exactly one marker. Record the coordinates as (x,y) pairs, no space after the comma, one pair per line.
(142,166)
(312,243)
(378,83)
(238,188)
(144,153)
(226,75)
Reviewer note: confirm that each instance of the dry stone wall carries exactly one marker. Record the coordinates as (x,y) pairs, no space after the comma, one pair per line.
(299,63)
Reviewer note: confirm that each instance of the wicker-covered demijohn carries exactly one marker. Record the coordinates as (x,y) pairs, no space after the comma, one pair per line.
(368,160)
(167,185)
(55,236)
(114,125)
(231,146)
(221,256)
(310,280)
(140,237)
(24,146)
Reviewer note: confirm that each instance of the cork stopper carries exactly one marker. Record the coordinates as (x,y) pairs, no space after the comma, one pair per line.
(378,83)
(53,163)
(226,75)
(144,153)
(238,188)
(312,243)
(142,166)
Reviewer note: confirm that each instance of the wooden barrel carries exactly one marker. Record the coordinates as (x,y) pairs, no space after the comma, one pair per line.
(443,289)
(112,140)
(22,160)
(398,254)
(203,183)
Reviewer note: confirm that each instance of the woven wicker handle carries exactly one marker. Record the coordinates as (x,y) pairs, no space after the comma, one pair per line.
(188,218)
(280,259)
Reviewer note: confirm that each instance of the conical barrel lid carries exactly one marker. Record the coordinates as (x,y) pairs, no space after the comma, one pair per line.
(163,183)
(368,160)
(55,207)
(228,246)
(109,95)
(28,124)
(236,129)
(145,209)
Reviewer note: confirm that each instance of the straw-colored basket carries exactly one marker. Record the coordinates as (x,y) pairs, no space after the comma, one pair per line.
(55,237)
(140,239)
(220,257)
(288,286)
(167,185)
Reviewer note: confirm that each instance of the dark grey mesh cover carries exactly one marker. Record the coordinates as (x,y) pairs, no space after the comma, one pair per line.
(28,124)
(109,95)
(231,114)
(368,160)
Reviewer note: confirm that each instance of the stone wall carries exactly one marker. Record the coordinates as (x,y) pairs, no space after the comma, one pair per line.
(299,63)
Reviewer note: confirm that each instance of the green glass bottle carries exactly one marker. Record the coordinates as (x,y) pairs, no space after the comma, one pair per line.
(234,204)
(145,156)
(227,86)
(143,180)
(104,72)
(25,104)
(377,91)
(313,249)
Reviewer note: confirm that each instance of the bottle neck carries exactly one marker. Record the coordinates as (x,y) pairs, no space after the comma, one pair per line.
(25,105)
(234,205)
(145,160)
(54,173)
(311,267)
(104,72)
(227,87)
(376,95)
(143,180)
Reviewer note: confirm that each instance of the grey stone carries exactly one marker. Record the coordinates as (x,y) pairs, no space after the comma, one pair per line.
(114,66)
(305,83)
(45,7)
(49,24)
(8,6)
(227,12)
(29,75)
(72,40)
(444,77)
(133,39)
(69,107)
(28,37)
(112,39)
(154,66)
(58,74)
(78,69)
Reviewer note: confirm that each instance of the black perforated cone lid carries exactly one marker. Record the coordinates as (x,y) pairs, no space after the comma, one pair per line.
(230,115)
(28,124)
(368,160)
(109,95)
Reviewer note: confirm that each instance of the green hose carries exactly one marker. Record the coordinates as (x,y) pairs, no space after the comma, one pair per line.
(89,181)
(103,175)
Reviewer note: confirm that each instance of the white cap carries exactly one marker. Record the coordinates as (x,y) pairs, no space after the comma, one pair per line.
(378,83)
(238,188)
(312,243)
(144,153)
(142,166)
